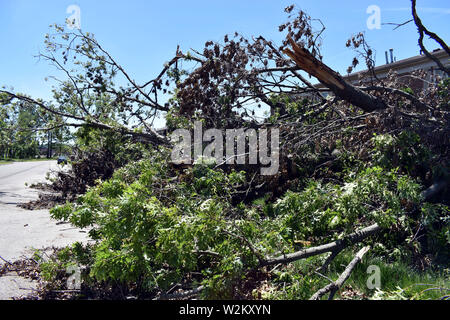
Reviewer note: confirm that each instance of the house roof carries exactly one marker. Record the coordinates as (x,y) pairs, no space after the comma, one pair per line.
(411,62)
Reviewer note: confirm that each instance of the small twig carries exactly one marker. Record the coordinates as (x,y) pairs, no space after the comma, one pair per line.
(250,185)
(398,25)
(275,268)
(173,288)
(323,276)
(6,261)
(30,289)
(247,242)
(328,261)
(207,252)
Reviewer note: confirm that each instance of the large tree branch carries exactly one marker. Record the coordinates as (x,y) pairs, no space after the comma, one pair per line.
(351,239)
(432,35)
(404,94)
(12,95)
(332,80)
(294,70)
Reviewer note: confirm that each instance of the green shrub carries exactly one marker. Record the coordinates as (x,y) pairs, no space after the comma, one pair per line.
(404,151)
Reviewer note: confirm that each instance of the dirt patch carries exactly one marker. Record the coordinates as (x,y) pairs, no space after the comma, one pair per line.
(45,201)
(26,268)
(48,198)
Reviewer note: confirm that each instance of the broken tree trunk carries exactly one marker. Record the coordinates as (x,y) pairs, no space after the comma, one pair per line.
(332,80)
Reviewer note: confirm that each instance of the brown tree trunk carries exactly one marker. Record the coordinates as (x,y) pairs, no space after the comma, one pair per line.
(332,80)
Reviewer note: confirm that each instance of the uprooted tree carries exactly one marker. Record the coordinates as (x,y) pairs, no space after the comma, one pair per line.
(370,158)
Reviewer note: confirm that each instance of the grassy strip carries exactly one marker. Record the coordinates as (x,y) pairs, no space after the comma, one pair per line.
(398,280)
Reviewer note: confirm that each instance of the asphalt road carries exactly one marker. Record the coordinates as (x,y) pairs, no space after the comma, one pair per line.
(23,231)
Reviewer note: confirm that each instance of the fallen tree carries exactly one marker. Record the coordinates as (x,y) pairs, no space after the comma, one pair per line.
(351,167)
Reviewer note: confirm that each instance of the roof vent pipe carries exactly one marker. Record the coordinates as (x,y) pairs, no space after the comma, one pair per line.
(392,55)
(387,59)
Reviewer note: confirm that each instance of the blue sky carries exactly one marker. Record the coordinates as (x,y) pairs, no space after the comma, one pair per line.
(143,35)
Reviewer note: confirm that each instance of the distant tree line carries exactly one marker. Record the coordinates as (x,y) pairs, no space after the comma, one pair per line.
(21,134)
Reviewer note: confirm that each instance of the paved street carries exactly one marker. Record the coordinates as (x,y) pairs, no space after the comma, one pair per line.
(22,231)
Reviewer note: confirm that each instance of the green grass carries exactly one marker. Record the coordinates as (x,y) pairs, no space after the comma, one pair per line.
(399,281)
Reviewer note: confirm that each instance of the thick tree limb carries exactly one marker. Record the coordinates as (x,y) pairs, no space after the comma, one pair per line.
(351,239)
(432,35)
(327,262)
(332,80)
(333,287)
(434,189)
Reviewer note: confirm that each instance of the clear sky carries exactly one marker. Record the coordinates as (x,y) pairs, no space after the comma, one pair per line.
(143,34)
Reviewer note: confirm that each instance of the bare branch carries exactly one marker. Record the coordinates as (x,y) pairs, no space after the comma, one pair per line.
(333,287)
(398,25)
(422,31)
(351,239)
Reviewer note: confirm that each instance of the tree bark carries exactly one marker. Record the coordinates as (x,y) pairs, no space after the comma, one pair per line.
(332,80)
(335,286)
(338,245)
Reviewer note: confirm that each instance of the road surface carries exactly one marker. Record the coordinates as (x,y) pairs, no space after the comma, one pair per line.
(23,231)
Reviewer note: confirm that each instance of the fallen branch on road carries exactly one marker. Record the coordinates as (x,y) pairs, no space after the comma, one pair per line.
(6,261)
